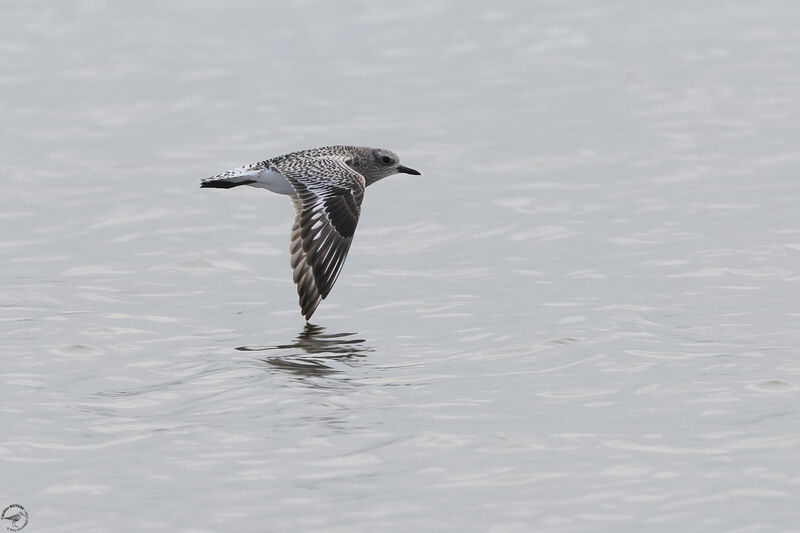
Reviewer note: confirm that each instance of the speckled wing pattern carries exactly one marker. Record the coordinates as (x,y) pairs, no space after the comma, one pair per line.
(328,204)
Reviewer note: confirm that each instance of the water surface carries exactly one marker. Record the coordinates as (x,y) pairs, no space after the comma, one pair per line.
(581,317)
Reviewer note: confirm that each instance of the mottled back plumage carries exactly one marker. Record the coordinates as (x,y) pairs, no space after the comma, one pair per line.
(327,187)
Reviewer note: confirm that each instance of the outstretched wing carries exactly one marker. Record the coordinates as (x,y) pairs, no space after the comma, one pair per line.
(328,204)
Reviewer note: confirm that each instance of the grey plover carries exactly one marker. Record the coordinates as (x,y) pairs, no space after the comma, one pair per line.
(326,186)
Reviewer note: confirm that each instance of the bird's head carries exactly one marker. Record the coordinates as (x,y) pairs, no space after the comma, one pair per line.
(377,163)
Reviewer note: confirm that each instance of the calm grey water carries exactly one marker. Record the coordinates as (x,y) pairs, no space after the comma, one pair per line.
(583,316)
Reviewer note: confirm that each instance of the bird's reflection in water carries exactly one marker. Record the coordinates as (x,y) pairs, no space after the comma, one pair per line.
(308,354)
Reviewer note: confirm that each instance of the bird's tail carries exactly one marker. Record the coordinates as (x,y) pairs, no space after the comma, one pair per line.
(244,175)
(225,182)
(262,174)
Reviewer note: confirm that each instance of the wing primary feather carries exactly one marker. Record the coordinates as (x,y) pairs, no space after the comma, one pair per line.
(327,206)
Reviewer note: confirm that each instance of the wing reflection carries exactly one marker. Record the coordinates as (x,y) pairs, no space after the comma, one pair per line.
(311,349)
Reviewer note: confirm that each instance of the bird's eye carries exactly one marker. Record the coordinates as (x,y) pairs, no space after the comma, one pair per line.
(386,159)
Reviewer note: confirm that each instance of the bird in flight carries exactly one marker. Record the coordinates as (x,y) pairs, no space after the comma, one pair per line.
(326,186)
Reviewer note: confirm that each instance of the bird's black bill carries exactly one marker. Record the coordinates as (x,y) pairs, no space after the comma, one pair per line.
(406,170)
(224,184)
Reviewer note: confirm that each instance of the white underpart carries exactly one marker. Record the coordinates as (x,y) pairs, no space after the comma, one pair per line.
(264,178)
(272,181)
